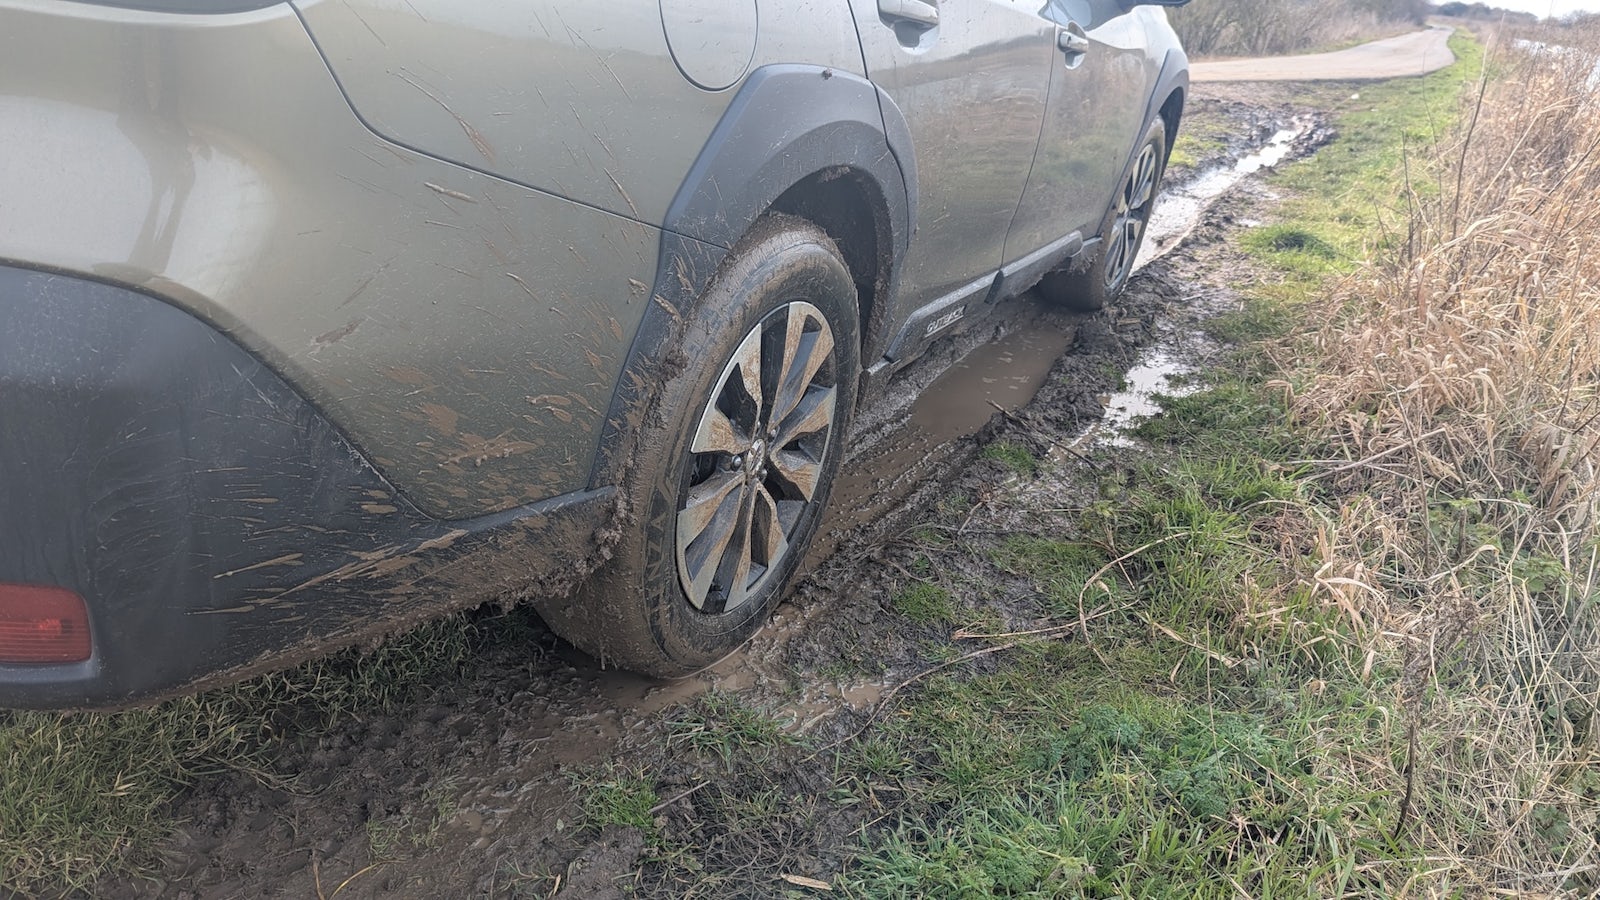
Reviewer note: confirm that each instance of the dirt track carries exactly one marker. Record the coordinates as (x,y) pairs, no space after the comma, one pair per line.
(1417,53)
(469,791)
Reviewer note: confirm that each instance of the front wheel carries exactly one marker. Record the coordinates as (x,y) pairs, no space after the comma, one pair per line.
(733,474)
(1088,287)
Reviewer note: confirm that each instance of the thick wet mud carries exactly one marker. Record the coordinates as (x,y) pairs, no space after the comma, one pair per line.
(470,792)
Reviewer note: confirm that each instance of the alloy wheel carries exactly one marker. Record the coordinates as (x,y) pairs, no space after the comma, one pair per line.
(1134,204)
(756,457)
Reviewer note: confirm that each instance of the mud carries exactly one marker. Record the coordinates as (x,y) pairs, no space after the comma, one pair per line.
(469,791)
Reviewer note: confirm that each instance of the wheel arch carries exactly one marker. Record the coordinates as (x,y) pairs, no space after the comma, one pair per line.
(844,202)
(1171,115)
(1172,89)
(802,140)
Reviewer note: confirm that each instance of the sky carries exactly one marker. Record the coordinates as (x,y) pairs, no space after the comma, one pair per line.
(1548,7)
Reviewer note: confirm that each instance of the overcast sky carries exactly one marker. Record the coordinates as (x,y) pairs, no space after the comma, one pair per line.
(1548,7)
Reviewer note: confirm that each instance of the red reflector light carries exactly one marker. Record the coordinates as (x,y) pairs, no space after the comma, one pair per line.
(42,625)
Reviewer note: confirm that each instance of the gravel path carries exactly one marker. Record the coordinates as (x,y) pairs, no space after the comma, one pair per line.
(1417,53)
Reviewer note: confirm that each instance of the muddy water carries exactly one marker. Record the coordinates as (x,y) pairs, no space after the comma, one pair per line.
(1159,372)
(1002,375)
(1180,206)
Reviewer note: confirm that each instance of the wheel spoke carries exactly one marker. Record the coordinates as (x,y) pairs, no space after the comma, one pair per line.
(813,413)
(800,470)
(718,434)
(748,358)
(1116,254)
(706,527)
(804,354)
(773,541)
(1147,180)
(735,568)
(704,501)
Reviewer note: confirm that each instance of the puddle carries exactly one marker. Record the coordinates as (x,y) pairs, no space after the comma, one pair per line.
(1001,375)
(1180,206)
(1006,373)
(1159,371)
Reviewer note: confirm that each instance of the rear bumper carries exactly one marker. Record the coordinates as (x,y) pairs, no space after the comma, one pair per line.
(215,523)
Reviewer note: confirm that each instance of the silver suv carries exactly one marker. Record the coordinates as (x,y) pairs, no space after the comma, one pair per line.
(320,318)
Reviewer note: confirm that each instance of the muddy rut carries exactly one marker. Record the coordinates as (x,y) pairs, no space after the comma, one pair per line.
(469,791)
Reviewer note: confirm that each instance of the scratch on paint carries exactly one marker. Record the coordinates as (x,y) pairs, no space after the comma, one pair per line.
(472,133)
(524,285)
(338,334)
(287,559)
(625,198)
(441,189)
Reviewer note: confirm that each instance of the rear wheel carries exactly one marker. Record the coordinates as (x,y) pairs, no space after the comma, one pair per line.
(732,476)
(1091,286)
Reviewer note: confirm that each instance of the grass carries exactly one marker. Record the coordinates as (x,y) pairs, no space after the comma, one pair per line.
(925,604)
(1336,634)
(1012,456)
(720,724)
(415,829)
(93,793)
(619,797)
(1201,138)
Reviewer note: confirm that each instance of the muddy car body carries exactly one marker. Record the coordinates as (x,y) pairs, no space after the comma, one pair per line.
(317,319)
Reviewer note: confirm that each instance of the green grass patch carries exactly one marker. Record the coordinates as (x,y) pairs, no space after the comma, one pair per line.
(925,604)
(1013,456)
(721,725)
(613,796)
(1201,138)
(1349,201)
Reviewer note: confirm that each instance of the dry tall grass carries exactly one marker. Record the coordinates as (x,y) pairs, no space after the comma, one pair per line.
(1462,383)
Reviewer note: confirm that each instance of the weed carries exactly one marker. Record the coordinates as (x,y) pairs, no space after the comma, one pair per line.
(925,604)
(1013,456)
(721,725)
(615,796)
(413,829)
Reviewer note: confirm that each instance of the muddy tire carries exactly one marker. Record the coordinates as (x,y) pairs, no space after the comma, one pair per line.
(733,473)
(1089,286)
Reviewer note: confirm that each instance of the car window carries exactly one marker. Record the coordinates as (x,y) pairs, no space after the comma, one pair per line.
(1063,11)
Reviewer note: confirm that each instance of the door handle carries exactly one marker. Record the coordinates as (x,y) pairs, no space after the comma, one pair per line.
(917,12)
(1073,43)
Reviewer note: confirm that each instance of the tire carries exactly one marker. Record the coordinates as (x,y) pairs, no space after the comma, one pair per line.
(725,510)
(1090,287)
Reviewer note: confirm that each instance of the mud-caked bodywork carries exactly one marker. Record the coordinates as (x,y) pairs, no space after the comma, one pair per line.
(317,319)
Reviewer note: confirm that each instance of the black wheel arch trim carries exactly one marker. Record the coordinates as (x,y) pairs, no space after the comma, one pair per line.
(1174,79)
(787,123)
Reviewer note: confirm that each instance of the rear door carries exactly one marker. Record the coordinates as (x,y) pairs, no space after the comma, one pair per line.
(1102,75)
(971,77)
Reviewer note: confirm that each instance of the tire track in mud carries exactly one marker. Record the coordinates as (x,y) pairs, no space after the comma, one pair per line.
(468,791)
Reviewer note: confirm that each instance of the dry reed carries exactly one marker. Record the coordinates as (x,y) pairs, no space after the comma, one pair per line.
(1458,382)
